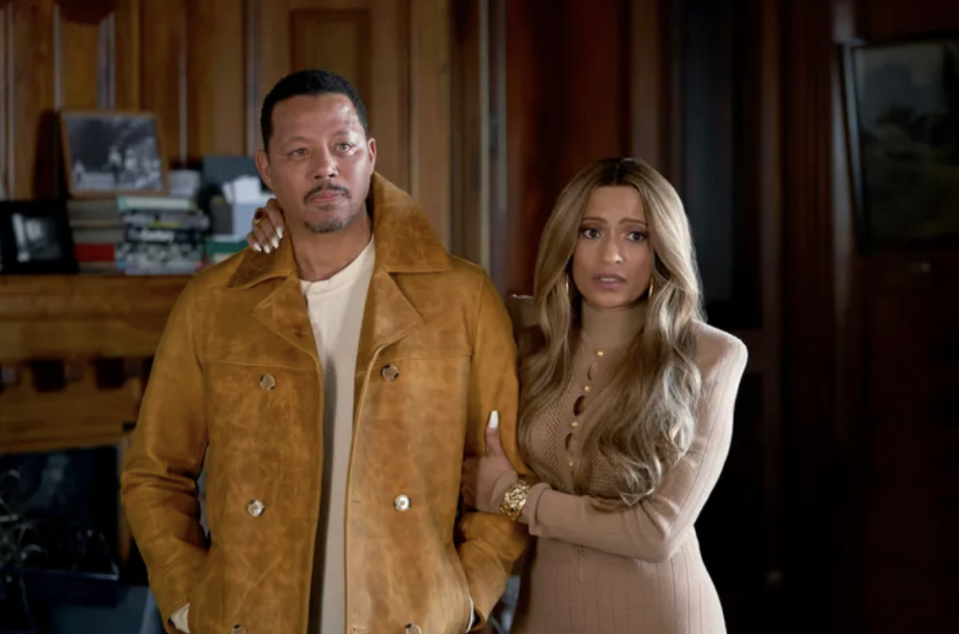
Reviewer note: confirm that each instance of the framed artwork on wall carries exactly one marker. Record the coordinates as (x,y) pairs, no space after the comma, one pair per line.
(109,153)
(902,109)
(35,238)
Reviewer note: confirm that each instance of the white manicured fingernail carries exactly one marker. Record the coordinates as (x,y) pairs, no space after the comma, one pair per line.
(494,420)
(279,232)
(276,242)
(257,247)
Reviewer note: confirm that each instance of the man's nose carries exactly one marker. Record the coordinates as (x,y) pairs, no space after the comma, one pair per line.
(325,165)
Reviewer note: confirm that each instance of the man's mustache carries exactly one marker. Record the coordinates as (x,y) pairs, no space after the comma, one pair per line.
(326,187)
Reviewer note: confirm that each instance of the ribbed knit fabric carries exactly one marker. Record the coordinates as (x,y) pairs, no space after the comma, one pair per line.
(639,570)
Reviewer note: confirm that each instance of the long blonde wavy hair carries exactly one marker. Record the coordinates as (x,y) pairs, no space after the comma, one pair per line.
(646,416)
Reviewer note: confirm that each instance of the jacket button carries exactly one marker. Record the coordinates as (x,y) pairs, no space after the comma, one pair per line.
(255,508)
(238,629)
(402,503)
(267,382)
(412,628)
(390,372)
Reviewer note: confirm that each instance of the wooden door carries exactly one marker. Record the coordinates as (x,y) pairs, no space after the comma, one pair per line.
(911,446)
(396,53)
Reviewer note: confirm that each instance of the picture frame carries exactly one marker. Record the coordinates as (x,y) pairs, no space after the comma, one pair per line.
(35,238)
(108,153)
(901,101)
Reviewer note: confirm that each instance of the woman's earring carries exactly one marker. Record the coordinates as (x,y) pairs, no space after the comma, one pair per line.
(566,284)
(650,296)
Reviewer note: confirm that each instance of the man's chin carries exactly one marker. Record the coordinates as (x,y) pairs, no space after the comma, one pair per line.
(327,222)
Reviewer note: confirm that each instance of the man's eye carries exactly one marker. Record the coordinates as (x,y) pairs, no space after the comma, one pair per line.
(298,153)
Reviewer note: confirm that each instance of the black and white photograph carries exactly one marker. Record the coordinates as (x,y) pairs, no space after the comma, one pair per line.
(108,153)
(35,238)
(902,102)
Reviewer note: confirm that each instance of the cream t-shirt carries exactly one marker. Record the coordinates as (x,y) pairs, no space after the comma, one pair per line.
(336,312)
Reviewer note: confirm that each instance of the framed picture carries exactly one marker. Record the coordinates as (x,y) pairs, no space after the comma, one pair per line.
(107,153)
(902,105)
(35,238)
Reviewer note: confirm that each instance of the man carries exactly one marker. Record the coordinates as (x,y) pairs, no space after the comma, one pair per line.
(332,385)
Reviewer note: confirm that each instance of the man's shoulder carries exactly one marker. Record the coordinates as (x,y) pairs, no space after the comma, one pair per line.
(465,269)
(468,275)
(216,276)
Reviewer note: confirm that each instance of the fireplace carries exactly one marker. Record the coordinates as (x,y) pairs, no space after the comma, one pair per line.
(59,518)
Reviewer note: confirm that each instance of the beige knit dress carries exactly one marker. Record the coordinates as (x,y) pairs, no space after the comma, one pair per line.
(635,571)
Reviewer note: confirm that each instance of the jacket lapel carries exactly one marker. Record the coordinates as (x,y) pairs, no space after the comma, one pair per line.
(405,244)
(388,316)
(283,310)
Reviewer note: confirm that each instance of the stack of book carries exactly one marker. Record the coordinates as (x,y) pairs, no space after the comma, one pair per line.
(139,235)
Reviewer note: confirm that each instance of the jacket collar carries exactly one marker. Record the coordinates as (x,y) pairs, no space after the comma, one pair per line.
(405,241)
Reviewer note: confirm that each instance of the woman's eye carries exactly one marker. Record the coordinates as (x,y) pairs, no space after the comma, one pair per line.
(590,233)
(636,236)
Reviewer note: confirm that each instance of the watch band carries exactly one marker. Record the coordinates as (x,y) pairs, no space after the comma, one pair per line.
(515,499)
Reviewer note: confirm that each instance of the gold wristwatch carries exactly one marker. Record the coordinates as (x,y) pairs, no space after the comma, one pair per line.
(515,499)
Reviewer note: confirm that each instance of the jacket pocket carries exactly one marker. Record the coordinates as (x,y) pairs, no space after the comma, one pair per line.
(203,591)
(460,606)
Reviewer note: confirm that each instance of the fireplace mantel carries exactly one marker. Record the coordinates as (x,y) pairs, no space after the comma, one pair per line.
(78,321)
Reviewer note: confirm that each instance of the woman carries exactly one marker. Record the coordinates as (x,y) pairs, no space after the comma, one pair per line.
(626,415)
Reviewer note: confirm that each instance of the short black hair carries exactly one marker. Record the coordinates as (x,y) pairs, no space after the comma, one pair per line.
(313,83)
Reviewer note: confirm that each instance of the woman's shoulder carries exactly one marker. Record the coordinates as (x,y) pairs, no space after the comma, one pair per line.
(715,347)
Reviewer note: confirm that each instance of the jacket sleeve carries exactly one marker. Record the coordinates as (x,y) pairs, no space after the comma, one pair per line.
(491,543)
(159,478)
(656,528)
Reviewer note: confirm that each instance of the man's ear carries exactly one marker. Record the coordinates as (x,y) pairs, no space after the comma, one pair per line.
(371,148)
(263,167)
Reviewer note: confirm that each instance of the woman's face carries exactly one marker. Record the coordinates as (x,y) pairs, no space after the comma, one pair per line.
(612,262)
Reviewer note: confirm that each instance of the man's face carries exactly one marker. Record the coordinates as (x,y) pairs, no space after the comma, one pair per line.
(319,162)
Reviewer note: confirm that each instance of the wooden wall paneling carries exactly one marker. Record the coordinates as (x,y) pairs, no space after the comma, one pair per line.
(649,83)
(163,72)
(84,58)
(390,104)
(531,40)
(809,307)
(912,307)
(564,108)
(216,54)
(500,149)
(850,427)
(894,19)
(430,113)
(6,115)
(127,48)
(470,121)
(271,44)
(767,358)
(335,40)
(32,143)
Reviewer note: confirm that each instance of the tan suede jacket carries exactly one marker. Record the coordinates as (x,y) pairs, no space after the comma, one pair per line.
(236,382)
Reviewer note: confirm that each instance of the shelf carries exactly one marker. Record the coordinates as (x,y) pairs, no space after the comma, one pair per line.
(84,315)
(76,320)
